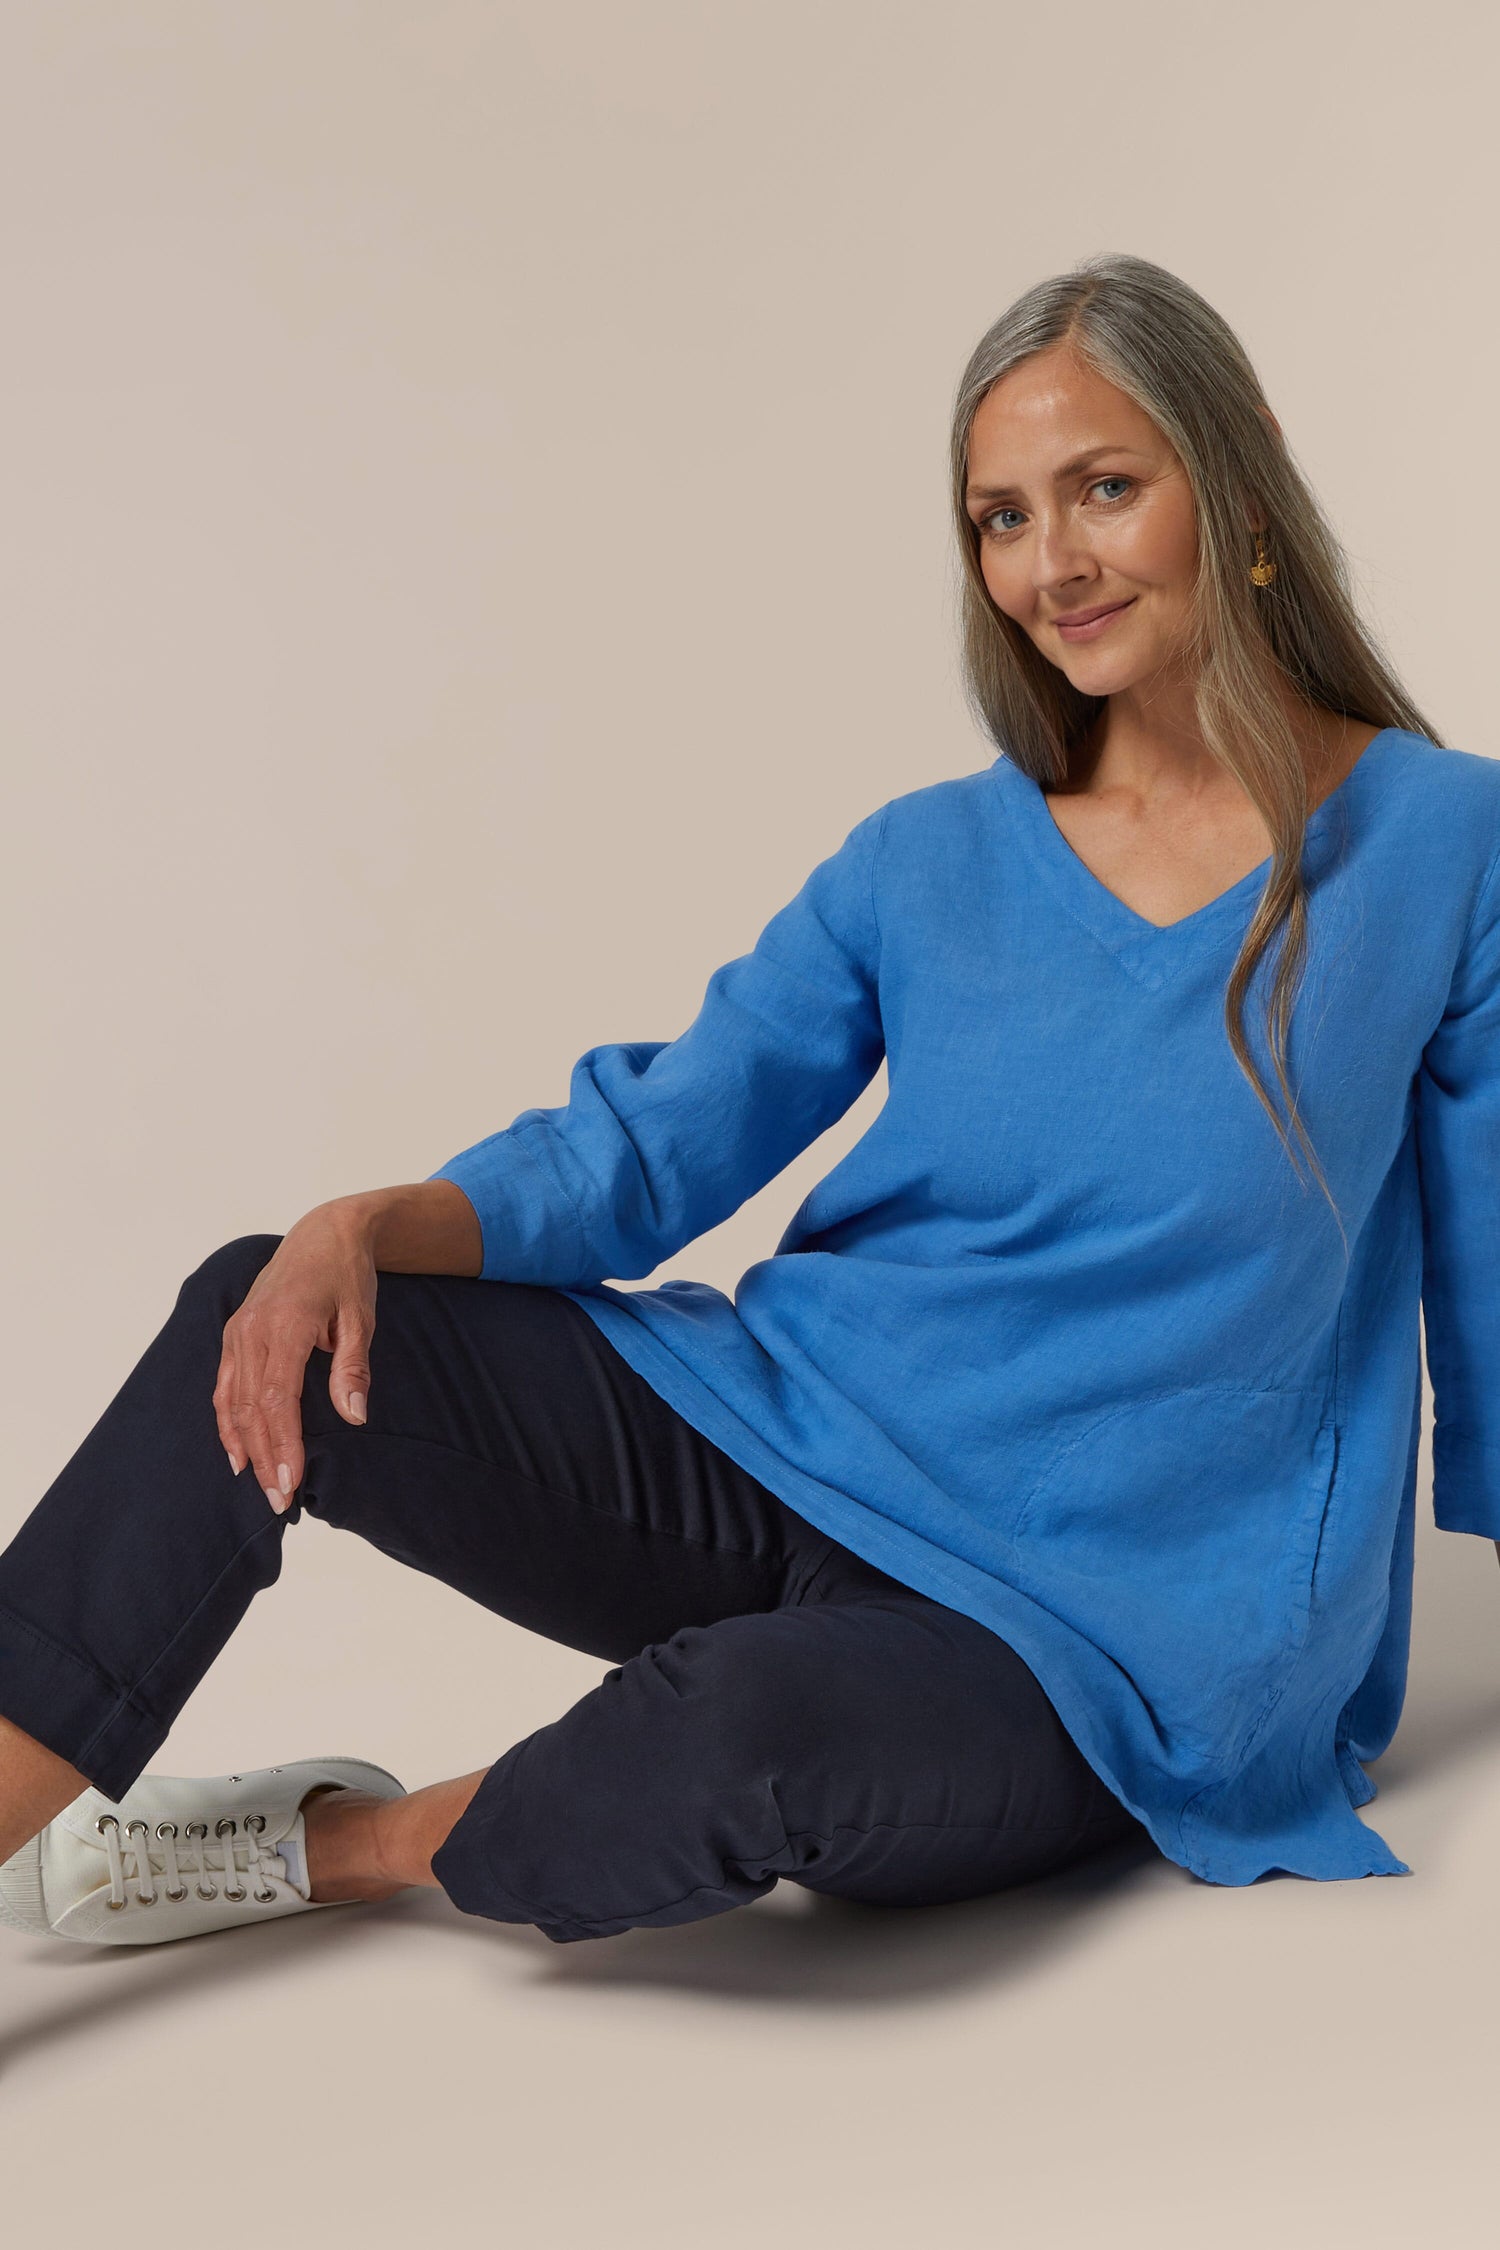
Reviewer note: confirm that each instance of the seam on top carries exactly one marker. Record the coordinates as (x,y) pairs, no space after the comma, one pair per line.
(875,850)
(574,1207)
(1459,958)
(1489,876)
(1479,898)
(1484,891)
(1114,948)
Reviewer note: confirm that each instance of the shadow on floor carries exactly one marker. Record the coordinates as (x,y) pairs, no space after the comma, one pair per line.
(1433,1740)
(792,1946)
(100,1986)
(797,1947)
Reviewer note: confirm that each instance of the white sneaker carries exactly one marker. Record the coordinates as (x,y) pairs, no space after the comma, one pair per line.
(176,1858)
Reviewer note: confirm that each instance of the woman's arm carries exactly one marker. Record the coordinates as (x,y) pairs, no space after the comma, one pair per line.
(657,1142)
(428,1226)
(1458,1149)
(660,1140)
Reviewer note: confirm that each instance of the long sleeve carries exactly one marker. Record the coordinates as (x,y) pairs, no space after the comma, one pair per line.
(658,1140)
(1458,1145)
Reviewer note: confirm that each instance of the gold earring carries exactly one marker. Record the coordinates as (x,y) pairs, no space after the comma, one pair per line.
(1262,570)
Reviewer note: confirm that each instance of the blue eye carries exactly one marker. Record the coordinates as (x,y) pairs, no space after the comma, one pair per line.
(992,520)
(1114,480)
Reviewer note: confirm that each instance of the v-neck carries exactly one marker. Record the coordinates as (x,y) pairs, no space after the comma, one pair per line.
(1141,943)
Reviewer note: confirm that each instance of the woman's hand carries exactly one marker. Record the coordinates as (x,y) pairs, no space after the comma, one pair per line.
(316,1291)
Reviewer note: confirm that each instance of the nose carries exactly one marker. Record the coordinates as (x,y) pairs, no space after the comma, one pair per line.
(1060,554)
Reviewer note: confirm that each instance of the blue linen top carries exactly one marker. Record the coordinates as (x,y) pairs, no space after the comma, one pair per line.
(1062,1341)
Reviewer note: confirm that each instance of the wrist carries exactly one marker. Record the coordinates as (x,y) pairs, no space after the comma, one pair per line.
(354,1219)
(423,1226)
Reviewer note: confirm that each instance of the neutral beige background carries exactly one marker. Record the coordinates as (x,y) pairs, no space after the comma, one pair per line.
(473,537)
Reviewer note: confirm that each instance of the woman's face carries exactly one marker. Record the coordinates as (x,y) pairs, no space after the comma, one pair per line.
(1082,506)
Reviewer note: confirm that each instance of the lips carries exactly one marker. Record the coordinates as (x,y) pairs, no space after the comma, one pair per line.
(1087,616)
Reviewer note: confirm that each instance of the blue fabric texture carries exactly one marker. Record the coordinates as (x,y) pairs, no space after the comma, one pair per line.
(1063,1341)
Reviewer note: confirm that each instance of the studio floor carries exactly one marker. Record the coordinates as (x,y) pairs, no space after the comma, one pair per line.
(1121,2055)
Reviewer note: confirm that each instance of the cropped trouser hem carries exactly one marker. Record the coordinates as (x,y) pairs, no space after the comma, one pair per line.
(71,1709)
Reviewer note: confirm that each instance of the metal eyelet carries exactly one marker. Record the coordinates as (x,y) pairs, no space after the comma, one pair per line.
(231,1825)
(169,1828)
(255,1824)
(143,1898)
(200,1828)
(108,1820)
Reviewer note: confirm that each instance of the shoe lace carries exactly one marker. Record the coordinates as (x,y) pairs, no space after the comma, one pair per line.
(172,1853)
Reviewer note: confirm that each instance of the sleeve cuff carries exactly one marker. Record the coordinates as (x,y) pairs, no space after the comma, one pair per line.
(1465,1482)
(528,1232)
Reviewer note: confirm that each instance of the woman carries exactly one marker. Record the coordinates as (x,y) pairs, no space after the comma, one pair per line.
(1053,1482)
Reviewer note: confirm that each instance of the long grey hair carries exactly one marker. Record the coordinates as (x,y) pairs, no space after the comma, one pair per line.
(1165,347)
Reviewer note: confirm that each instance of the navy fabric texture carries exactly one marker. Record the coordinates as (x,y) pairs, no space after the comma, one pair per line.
(776,1705)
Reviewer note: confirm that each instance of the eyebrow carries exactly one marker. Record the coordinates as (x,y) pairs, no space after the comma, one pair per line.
(1073,468)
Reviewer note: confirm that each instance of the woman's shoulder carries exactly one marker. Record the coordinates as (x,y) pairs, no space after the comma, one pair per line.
(1440,807)
(1449,781)
(955,802)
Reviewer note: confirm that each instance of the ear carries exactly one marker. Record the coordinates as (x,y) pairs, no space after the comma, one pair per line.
(1270,417)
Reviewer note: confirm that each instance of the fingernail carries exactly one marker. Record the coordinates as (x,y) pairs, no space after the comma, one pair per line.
(357,1405)
(275,1498)
(235,1463)
(284,1477)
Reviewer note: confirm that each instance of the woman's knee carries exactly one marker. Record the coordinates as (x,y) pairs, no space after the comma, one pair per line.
(220,1285)
(699,1744)
(749,1694)
(654,1800)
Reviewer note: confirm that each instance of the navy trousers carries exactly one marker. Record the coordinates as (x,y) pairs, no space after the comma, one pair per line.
(776,1706)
